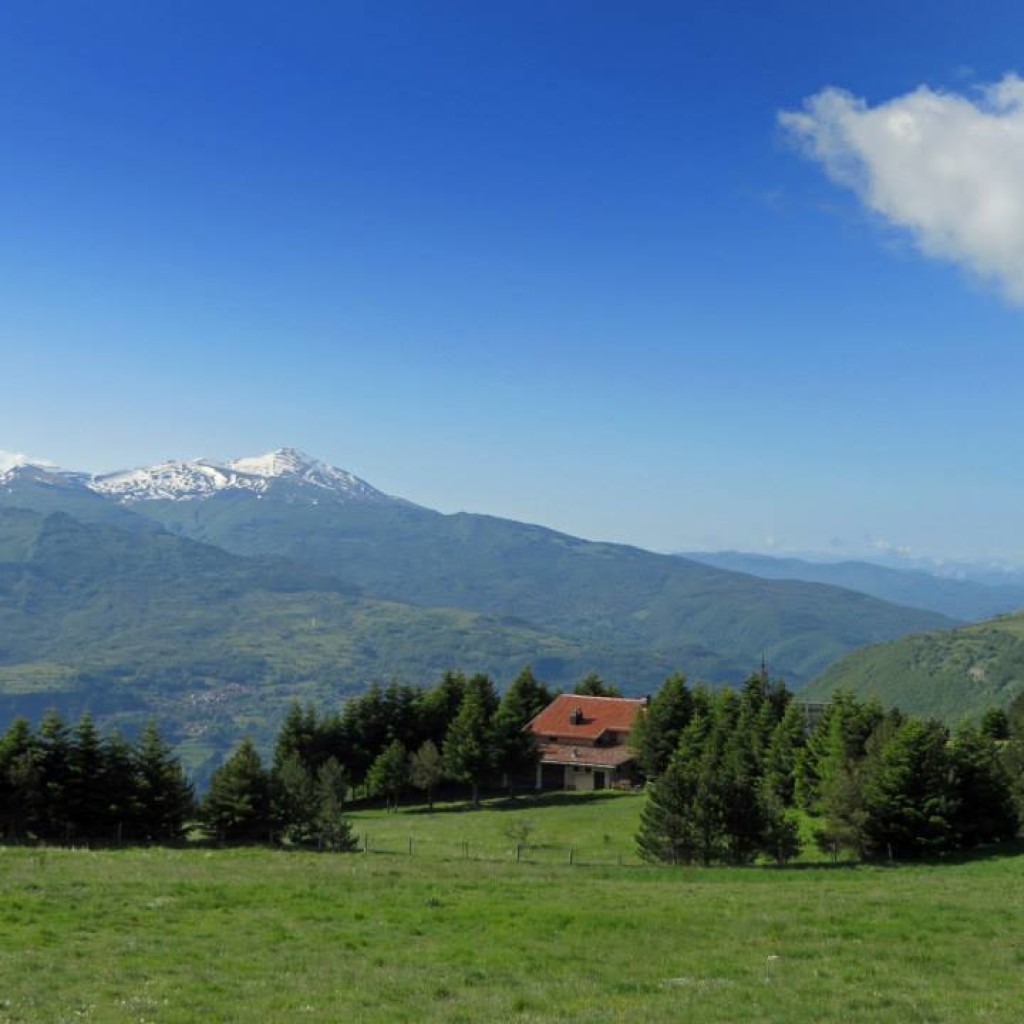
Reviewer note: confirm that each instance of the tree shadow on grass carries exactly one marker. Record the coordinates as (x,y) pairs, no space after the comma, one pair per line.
(1008,849)
(518,802)
(992,851)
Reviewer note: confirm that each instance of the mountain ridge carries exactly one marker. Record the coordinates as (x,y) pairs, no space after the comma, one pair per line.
(963,599)
(701,619)
(198,479)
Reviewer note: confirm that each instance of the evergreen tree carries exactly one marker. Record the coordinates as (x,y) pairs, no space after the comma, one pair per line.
(780,836)
(656,732)
(296,801)
(439,705)
(592,685)
(469,748)
(985,809)
(165,796)
(121,804)
(838,750)
(54,765)
(842,807)
(683,817)
(297,737)
(236,807)
(670,830)
(744,821)
(427,770)
(85,787)
(516,747)
(835,747)
(21,796)
(909,802)
(711,802)
(365,721)
(782,755)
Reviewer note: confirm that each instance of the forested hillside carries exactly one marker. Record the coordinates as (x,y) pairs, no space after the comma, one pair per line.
(951,674)
(705,620)
(129,624)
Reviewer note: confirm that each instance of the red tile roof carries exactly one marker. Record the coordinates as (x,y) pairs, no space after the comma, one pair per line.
(596,716)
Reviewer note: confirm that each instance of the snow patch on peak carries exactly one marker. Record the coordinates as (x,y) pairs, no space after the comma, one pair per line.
(202,478)
(281,462)
(14,466)
(292,464)
(16,460)
(173,479)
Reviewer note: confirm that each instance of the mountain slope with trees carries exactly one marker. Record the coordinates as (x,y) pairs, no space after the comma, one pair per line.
(708,621)
(951,674)
(129,624)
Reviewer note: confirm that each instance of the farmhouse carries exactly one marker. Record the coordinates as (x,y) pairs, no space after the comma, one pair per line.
(583,742)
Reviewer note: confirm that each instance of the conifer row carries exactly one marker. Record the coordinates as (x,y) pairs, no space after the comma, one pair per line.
(64,784)
(727,774)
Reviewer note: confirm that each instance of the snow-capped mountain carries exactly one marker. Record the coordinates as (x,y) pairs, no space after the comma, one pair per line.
(202,478)
(16,466)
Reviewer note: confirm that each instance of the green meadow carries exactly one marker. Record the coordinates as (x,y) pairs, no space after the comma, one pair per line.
(453,934)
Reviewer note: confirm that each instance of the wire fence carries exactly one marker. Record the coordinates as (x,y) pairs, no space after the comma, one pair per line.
(547,854)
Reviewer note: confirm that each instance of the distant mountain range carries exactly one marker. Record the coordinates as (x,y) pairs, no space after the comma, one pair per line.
(212,592)
(966,599)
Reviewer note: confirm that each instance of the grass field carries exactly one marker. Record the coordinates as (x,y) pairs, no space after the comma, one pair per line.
(259,935)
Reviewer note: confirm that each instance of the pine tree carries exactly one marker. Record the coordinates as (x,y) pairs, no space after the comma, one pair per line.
(516,747)
(297,736)
(782,756)
(53,742)
(985,810)
(669,830)
(365,721)
(683,817)
(85,785)
(744,821)
(21,795)
(592,685)
(236,807)
(166,798)
(469,748)
(438,706)
(909,802)
(296,803)
(780,837)
(656,732)
(837,749)
(121,807)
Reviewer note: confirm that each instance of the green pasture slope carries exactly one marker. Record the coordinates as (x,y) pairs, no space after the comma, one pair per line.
(167,936)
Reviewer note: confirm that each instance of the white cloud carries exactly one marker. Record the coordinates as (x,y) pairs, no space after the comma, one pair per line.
(947,168)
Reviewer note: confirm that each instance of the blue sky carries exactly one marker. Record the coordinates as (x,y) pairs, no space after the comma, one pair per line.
(558,261)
